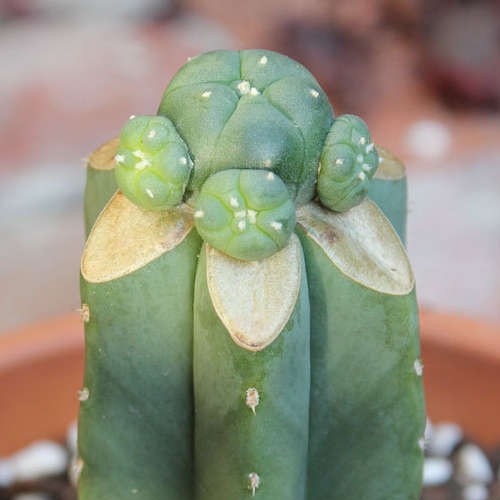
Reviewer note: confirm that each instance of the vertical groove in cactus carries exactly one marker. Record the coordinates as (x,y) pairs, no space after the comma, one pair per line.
(230,352)
(388,190)
(234,443)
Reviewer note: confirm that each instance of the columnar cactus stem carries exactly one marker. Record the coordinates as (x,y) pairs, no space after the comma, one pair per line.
(135,423)
(242,448)
(367,409)
(250,317)
(101,182)
(388,190)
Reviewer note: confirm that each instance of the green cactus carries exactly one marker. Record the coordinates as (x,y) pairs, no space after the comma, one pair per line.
(264,295)
(101,181)
(152,163)
(250,217)
(388,190)
(348,162)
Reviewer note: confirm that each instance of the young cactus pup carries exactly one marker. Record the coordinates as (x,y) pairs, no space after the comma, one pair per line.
(240,276)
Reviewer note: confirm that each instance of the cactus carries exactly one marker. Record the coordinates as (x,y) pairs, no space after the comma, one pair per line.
(251,329)
(388,190)
(101,181)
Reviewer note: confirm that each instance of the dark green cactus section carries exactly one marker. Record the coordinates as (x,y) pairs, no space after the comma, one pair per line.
(247,214)
(348,162)
(136,410)
(239,453)
(388,189)
(152,163)
(254,109)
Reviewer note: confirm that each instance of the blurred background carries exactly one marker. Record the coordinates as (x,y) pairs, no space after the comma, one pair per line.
(424,74)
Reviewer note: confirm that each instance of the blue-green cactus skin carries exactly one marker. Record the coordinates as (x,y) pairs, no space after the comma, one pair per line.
(348,162)
(367,413)
(341,410)
(250,109)
(389,190)
(100,183)
(232,442)
(135,430)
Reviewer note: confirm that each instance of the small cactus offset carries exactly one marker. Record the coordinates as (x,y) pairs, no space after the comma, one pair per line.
(251,322)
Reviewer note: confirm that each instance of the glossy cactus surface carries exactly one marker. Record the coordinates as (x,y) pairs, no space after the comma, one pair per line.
(255,334)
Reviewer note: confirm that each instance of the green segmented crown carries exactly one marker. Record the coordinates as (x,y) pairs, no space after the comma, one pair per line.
(253,108)
(152,163)
(348,162)
(247,214)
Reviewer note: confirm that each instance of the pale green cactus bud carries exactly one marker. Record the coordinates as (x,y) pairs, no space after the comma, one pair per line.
(348,162)
(247,214)
(153,165)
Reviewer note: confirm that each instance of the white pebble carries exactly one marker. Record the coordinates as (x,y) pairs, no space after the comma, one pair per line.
(428,430)
(437,471)
(475,492)
(444,438)
(428,139)
(472,466)
(6,474)
(41,459)
(72,438)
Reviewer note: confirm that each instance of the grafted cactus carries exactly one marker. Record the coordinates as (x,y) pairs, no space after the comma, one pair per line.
(251,327)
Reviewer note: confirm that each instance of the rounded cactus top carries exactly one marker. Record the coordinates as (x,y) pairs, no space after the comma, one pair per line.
(250,109)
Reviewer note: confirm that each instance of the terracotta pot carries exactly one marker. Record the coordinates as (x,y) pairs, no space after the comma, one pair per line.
(41,369)
(462,373)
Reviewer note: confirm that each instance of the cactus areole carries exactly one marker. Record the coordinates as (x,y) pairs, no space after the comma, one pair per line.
(250,315)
